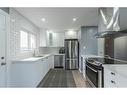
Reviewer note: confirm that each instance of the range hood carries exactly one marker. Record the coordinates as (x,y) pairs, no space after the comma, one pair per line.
(112,21)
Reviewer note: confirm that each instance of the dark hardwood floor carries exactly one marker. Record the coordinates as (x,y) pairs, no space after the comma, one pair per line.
(63,78)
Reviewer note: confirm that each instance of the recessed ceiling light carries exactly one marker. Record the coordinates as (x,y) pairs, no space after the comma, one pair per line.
(74,19)
(43,19)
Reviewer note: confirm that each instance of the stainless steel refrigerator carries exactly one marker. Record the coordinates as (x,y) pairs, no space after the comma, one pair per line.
(71,53)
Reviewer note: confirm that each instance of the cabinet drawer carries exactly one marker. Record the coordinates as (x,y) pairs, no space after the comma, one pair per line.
(110,83)
(114,79)
(109,74)
(121,81)
(118,82)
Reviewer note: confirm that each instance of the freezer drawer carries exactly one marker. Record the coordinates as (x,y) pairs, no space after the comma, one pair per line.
(71,64)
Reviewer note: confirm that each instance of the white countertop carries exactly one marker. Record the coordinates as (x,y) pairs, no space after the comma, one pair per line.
(31,59)
(86,56)
(59,54)
(34,59)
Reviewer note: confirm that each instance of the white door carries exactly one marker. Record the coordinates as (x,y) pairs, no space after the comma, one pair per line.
(3,29)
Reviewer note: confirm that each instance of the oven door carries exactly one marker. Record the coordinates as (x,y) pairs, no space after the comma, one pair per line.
(94,76)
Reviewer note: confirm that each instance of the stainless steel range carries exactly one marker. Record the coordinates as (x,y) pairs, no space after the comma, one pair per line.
(95,70)
(94,73)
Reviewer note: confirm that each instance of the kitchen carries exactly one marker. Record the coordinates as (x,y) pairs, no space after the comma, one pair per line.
(63,47)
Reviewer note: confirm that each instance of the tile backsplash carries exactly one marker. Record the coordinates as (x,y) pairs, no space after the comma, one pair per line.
(17,22)
(47,50)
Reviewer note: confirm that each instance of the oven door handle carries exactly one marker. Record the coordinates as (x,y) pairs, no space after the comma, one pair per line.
(91,68)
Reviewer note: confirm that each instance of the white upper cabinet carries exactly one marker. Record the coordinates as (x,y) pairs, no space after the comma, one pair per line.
(55,39)
(71,34)
(43,38)
(58,39)
(51,39)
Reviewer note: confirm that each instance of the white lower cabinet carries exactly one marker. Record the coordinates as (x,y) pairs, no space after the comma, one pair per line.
(115,76)
(30,74)
(51,61)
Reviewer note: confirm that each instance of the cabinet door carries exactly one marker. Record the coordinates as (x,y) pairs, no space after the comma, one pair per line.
(39,70)
(49,39)
(44,66)
(58,39)
(109,79)
(51,61)
(47,64)
(43,38)
(55,39)
(3,34)
(115,76)
(121,81)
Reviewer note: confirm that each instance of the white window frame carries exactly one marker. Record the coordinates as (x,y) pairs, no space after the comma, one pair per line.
(27,48)
(29,41)
(35,40)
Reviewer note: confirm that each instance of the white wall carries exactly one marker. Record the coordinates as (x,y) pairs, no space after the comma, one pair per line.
(88,42)
(17,22)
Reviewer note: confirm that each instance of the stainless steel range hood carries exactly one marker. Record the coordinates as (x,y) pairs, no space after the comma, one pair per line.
(112,21)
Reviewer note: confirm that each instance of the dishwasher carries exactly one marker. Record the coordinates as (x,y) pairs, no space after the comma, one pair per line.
(59,61)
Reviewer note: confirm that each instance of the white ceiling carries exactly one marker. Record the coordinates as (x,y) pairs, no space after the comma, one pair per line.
(61,18)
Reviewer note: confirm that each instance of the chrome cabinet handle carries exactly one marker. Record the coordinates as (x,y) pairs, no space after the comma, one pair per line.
(3,64)
(113,82)
(112,73)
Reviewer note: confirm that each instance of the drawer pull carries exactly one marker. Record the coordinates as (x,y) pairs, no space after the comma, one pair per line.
(112,73)
(113,82)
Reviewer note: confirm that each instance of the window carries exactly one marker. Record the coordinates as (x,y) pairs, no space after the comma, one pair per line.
(27,41)
(32,41)
(24,40)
